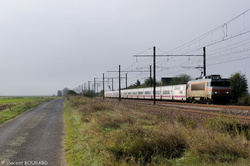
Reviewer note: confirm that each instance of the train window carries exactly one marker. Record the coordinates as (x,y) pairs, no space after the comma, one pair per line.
(140,93)
(129,93)
(158,92)
(147,92)
(220,83)
(166,92)
(177,88)
(198,86)
(134,93)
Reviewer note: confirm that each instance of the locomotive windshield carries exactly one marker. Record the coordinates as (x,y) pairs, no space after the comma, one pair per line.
(220,83)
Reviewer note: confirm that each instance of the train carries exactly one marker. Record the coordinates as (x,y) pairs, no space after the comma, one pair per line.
(208,89)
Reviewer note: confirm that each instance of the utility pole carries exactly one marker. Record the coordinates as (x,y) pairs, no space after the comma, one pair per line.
(94,88)
(126,80)
(112,84)
(150,75)
(89,85)
(119,82)
(97,89)
(204,61)
(103,88)
(154,81)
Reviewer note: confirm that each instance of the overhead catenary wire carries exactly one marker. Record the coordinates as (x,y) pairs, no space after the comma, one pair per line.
(209,33)
(224,54)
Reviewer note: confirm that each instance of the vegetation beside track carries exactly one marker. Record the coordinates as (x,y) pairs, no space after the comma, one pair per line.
(10,107)
(104,133)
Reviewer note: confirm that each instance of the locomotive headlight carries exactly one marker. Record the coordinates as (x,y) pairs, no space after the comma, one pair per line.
(214,92)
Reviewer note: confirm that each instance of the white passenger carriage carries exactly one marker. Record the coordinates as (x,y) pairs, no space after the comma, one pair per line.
(207,89)
(148,93)
(158,94)
(166,92)
(179,92)
(140,93)
(134,93)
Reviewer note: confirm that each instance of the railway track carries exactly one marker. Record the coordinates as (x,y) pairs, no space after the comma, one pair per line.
(231,111)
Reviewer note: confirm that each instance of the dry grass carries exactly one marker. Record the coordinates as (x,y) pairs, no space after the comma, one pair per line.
(232,127)
(102,133)
(142,145)
(214,146)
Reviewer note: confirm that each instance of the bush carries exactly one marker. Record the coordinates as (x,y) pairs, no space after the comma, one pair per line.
(89,93)
(245,100)
(186,122)
(94,106)
(71,93)
(76,101)
(108,123)
(142,145)
(229,126)
(217,147)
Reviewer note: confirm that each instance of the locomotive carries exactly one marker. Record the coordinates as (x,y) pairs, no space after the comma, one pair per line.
(208,89)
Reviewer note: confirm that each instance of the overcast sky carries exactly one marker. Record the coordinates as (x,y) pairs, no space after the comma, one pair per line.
(47,45)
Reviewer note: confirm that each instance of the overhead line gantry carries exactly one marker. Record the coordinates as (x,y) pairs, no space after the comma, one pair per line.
(154,65)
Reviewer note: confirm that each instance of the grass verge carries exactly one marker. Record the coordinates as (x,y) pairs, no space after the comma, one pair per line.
(102,133)
(11,107)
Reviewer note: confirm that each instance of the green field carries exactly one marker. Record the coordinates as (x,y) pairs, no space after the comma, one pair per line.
(7,100)
(10,107)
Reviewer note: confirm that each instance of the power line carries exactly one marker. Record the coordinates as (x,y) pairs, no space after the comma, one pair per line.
(210,39)
(221,48)
(229,61)
(198,39)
